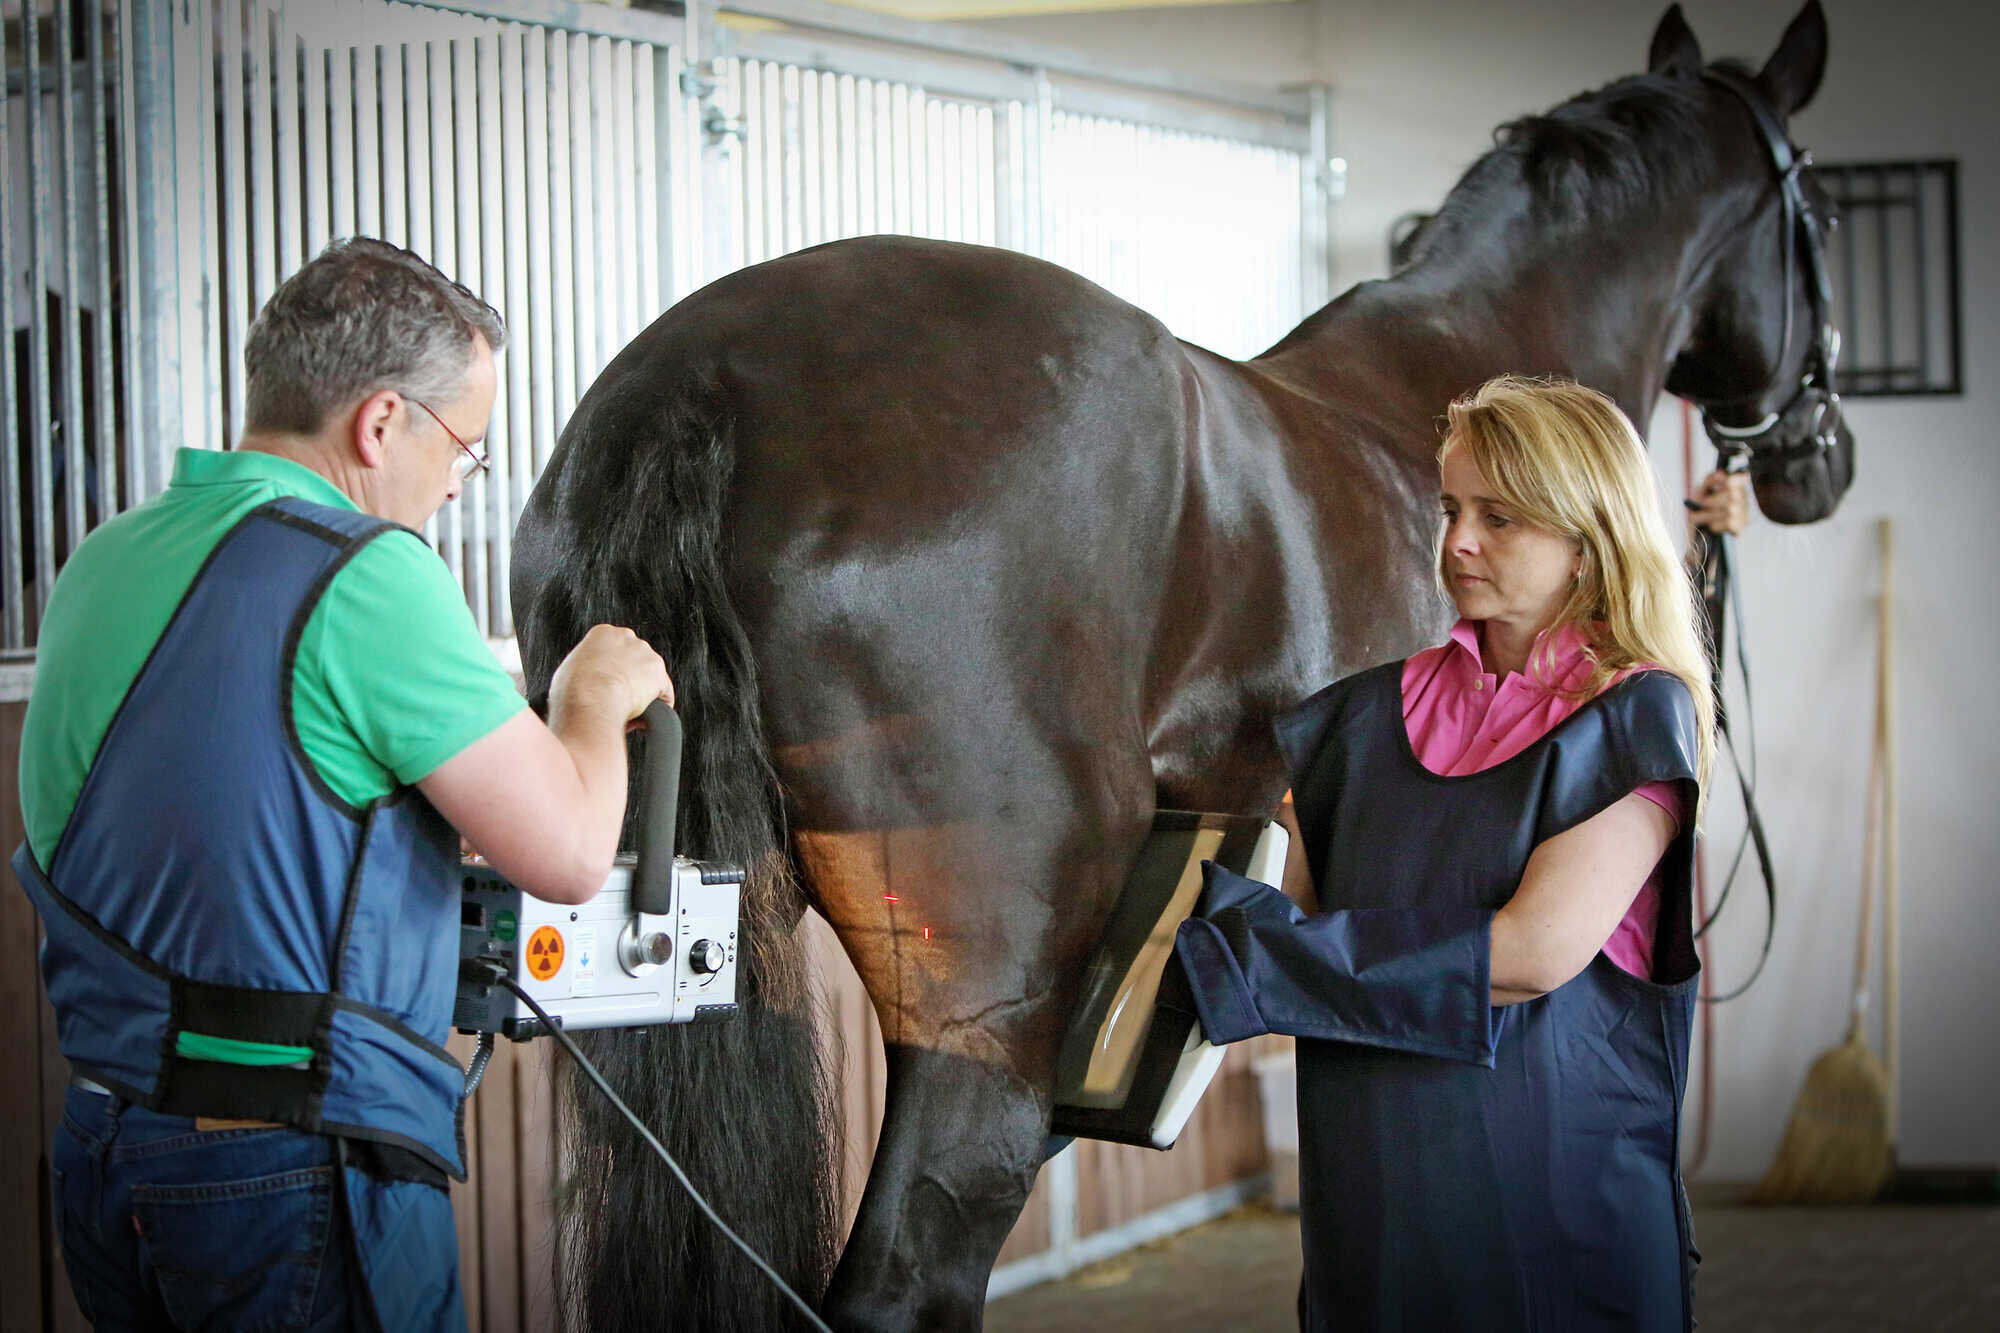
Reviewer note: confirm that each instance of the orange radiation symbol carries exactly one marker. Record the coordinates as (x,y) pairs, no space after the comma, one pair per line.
(545,952)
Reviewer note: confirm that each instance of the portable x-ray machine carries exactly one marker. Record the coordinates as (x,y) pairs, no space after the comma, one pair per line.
(658,944)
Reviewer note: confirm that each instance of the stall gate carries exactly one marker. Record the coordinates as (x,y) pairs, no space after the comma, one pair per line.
(581,166)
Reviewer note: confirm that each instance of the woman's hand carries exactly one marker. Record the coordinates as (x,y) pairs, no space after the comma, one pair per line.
(1722,502)
(1577,888)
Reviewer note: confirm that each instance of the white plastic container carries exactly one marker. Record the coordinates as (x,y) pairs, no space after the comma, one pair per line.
(1278,1088)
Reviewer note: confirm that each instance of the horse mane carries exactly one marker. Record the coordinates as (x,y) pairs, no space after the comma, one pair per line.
(1637,144)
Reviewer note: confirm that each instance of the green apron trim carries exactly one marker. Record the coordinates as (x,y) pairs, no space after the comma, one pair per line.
(229,1050)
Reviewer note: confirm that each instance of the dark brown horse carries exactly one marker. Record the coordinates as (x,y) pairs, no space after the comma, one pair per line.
(963,566)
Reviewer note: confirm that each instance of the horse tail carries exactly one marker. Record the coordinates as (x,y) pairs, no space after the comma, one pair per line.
(626,528)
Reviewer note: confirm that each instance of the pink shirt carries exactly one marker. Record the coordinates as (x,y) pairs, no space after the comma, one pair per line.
(1461,720)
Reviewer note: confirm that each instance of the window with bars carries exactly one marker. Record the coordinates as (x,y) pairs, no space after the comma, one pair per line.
(1894,261)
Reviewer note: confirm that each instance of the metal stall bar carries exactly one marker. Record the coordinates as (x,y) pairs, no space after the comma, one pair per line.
(285,182)
(583,226)
(466,523)
(603,202)
(654,246)
(680,155)
(490,500)
(152,350)
(1885,277)
(340,115)
(1919,226)
(261,223)
(368,116)
(204,235)
(1951,258)
(71,456)
(13,632)
(992,48)
(313,60)
(508,244)
(622,213)
(41,519)
(106,440)
(239,301)
(562,334)
(396,185)
(441,236)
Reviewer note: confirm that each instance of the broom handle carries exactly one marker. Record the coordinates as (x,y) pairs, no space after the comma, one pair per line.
(1885,700)
(1871,849)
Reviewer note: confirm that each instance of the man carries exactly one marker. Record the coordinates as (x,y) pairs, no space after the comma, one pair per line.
(262,719)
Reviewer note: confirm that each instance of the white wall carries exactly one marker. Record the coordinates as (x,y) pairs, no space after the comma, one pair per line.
(1419,85)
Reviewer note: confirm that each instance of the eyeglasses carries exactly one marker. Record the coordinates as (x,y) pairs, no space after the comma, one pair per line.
(468,464)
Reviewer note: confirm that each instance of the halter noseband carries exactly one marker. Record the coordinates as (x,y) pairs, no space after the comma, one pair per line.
(1815,397)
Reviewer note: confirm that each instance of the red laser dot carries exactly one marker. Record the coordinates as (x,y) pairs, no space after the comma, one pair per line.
(890,898)
(927,932)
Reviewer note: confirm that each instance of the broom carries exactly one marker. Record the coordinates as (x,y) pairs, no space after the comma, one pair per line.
(1838,1147)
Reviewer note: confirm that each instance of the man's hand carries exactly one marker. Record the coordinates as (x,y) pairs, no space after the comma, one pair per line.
(544,803)
(611,673)
(1722,502)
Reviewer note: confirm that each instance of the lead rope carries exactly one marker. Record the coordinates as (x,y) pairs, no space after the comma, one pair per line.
(1706,987)
(1720,590)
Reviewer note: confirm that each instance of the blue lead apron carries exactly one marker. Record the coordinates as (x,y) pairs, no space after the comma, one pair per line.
(227,937)
(1462,1166)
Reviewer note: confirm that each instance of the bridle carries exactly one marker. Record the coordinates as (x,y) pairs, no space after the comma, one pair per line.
(1809,422)
(1806,426)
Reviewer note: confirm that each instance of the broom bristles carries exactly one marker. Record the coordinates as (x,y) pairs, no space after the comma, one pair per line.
(1836,1149)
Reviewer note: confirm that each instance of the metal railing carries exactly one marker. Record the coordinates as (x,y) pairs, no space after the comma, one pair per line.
(169,163)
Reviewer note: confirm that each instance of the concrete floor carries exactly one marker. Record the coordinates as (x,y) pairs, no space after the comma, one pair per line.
(1764,1270)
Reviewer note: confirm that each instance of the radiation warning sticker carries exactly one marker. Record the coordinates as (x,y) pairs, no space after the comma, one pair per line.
(545,953)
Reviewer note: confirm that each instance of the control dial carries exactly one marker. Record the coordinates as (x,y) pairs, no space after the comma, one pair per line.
(707,956)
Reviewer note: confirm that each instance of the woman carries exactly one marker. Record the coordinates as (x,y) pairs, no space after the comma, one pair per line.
(1493,1001)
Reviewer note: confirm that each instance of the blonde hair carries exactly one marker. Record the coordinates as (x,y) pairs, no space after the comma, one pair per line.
(1569,462)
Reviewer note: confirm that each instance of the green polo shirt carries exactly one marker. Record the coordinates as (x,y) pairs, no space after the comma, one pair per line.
(391,678)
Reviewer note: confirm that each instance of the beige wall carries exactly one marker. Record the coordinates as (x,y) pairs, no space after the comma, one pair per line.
(1418,86)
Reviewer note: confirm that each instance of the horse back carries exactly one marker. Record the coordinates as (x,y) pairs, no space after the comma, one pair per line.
(952,468)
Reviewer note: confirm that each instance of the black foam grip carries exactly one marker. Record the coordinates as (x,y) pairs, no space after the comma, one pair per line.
(653,877)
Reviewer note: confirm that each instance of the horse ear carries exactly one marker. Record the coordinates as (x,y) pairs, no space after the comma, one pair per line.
(1792,75)
(1675,51)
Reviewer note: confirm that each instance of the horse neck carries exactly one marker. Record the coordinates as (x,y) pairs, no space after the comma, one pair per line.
(1606,308)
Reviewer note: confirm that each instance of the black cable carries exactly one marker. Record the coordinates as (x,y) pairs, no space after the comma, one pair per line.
(563,1039)
(477,1070)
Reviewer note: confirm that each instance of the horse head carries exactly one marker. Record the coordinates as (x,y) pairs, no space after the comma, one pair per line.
(1760,347)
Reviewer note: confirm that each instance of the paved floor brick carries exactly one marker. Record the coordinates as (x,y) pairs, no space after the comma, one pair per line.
(1764,1270)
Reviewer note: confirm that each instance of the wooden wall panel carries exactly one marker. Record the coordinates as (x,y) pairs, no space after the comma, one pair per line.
(33,1078)
(535,1162)
(24,1232)
(1223,1142)
(1030,1235)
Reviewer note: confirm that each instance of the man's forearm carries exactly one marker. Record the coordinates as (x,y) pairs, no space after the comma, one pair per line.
(594,738)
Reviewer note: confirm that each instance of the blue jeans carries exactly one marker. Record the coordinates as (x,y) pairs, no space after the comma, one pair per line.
(164,1226)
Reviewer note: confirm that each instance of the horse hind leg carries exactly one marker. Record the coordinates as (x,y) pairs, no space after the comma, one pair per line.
(973,975)
(961,1142)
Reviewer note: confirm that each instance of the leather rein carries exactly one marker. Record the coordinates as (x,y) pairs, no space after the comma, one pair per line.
(1807,424)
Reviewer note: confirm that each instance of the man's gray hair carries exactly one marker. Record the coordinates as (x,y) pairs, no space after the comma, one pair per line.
(362,317)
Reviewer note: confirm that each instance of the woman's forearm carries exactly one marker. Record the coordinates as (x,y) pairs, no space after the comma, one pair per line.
(1578,886)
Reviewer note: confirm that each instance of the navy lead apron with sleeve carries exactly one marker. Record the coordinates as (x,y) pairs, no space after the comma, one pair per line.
(227,937)
(1462,1166)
